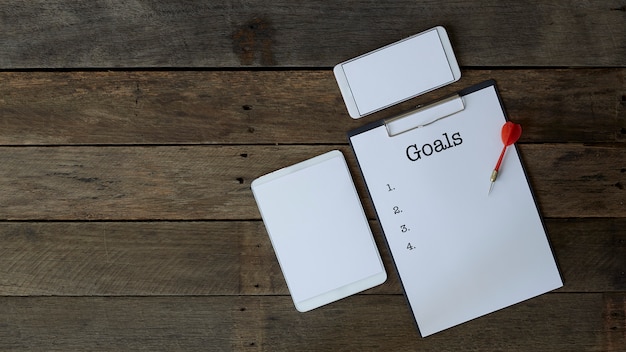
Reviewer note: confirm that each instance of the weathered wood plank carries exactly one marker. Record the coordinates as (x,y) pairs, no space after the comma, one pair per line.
(560,175)
(123,258)
(553,322)
(589,253)
(213,182)
(65,34)
(233,258)
(250,107)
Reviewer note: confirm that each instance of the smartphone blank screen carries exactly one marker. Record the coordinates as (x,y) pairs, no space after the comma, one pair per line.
(397,72)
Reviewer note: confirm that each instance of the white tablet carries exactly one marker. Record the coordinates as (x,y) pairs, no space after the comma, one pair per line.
(397,72)
(319,231)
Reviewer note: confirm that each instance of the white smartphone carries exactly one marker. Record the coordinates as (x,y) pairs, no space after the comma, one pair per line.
(397,72)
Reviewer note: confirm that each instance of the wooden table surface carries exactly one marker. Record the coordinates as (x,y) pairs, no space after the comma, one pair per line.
(130,132)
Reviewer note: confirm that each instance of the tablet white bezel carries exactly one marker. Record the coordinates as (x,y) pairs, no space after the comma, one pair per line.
(346,91)
(346,288)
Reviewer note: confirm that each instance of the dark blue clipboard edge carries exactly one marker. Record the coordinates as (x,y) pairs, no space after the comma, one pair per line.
(463,92)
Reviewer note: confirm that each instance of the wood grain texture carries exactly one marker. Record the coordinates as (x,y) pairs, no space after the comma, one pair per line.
(233,258)
(213,182)
(126,217)
(252,107)
(552,322)
(153,33)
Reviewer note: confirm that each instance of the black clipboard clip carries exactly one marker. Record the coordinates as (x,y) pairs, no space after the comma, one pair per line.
(424,116)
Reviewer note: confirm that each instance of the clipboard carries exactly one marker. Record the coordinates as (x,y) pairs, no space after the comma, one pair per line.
(460,253)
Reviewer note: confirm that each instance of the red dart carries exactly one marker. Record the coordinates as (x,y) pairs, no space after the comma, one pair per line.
(510,134)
